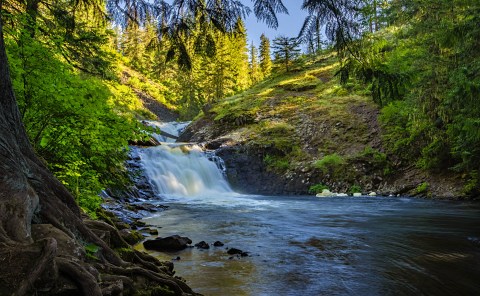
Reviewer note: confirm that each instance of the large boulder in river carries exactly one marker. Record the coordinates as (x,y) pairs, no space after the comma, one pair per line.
(170,243)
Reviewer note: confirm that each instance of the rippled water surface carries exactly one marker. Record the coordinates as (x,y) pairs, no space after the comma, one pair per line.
(327,246)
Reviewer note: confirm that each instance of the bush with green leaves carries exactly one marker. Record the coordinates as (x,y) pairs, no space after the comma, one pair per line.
(422,188)
(317,188)
(355,189)
(331,163)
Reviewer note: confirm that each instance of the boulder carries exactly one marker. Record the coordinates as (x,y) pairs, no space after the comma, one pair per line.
(202,245)
(218,244)
(234,251)
(131,236)
(153,231)
(326,193)
(357,194)
(170,243)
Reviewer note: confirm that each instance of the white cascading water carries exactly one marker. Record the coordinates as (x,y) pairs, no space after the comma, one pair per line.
(172,128)
(183,170)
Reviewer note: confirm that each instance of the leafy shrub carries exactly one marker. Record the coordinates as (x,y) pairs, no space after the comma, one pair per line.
(472,186)
(317,188)
(422,188)
(330,163)
(376,156)
(354,189)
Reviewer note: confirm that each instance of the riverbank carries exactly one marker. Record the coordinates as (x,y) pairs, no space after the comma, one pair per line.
(299,132)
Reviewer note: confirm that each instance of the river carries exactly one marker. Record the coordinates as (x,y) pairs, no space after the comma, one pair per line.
(304,245)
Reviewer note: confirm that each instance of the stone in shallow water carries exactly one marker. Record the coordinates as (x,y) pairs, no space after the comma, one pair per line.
(202,245)
(170,243)
(218,244)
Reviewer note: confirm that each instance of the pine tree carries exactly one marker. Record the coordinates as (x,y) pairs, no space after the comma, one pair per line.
(265,59)
(255,73)
(239,52)
(286,50)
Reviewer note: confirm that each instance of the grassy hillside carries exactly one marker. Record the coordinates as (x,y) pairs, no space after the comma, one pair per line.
(313,132)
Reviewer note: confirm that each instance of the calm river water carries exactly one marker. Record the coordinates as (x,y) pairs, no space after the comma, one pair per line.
(326,246)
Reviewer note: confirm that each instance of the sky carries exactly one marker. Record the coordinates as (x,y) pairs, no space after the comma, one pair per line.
(289,25)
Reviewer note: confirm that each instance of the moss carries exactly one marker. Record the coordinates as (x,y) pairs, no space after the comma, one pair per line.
(126,254)
(155,291)
(422,189)
(276,163)
(132,237)
(330,163)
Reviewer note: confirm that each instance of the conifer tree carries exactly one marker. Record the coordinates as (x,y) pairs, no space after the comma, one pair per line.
(239,52)
(286,50)
(265,58)
(255,73)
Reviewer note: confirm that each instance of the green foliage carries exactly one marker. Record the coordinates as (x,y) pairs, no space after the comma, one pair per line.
(91,251)
(277,163)
(422,188)
(355,189)
(254,69)
(472,186)
(375,155)
(265,58)
(331,163)
(285,50)
(317,188)
(72,119)
(428,59)
(218,64)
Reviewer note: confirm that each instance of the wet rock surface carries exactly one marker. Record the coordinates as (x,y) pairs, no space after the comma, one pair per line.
(202,245)
(171,243)
(247,172)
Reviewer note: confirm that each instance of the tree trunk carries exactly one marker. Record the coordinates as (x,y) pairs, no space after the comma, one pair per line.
(29,193)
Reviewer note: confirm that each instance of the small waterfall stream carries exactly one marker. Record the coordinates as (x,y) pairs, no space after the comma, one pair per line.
(182,169)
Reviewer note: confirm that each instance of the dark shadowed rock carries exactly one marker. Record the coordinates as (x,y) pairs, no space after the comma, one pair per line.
(234,251)
(202,245)
(131,236)
(153,231)
(218,244)
(170,243)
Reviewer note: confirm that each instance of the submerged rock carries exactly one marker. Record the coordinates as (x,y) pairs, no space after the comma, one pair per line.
(234,251)
(202,245)
(218,244)
(170,243)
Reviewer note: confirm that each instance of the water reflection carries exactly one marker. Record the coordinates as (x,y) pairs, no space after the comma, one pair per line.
(332,246)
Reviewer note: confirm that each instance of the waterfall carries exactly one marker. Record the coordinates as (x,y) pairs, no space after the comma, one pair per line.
(169,128)
(183,170)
